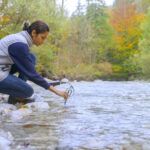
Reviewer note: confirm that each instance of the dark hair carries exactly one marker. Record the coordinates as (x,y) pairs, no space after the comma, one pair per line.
(38,26)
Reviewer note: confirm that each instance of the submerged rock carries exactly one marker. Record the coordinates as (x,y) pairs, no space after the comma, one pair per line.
(15,112)
(38,106)
(146,146)
(4,144)
(6,139)
(63,148)
(25,146)
(20,113)
(6,108)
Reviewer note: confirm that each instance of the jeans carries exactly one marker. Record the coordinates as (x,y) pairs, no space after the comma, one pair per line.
(17,86)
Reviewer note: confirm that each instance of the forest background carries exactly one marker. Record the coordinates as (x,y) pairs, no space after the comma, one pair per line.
(95,42)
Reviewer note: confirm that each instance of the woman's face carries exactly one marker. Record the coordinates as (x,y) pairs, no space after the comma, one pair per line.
(39,39)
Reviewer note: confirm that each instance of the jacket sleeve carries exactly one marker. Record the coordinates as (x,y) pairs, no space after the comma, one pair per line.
(19,53)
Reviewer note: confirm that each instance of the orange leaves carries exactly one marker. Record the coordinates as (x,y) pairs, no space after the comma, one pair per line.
(126,23)
(4,19)
(3,22)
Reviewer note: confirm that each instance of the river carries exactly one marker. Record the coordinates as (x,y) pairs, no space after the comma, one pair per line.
(101,115)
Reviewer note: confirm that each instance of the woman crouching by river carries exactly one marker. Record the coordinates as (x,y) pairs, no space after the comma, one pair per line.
(15,56)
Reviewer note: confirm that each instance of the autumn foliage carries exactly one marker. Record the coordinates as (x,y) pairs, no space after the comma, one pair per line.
(126,23)
(96,41)
(4,19)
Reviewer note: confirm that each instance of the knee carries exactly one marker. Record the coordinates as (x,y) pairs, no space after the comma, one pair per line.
(33,58)
(28,92)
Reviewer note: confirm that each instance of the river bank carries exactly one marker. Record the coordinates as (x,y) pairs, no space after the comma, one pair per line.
(83,77)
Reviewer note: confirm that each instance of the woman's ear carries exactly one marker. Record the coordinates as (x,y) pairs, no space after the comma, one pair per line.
(33,33)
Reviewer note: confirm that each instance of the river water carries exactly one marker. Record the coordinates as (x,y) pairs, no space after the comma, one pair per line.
(101,115)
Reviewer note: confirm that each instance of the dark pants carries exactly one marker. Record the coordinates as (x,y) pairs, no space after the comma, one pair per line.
(17,86)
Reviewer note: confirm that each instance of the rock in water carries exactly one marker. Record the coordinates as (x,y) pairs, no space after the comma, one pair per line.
(6,108)
(5,140)
(65,80)
(38,106)
(20,113)
(63,148)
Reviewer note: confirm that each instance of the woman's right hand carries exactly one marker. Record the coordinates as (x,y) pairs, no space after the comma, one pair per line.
(63,94)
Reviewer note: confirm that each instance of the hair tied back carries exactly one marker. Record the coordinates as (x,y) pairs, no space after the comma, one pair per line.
(26,26)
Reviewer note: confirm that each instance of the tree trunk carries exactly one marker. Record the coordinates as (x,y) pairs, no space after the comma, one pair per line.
(62,8)
(3,4)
